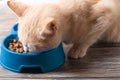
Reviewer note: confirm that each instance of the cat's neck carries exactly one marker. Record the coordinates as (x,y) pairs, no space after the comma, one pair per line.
(78,13)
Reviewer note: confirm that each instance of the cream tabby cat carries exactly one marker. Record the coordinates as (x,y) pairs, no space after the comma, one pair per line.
(81,22)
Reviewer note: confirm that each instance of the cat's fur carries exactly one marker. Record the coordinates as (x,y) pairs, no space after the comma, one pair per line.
(81,22)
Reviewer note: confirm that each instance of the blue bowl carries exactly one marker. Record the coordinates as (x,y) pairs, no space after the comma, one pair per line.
(41,61)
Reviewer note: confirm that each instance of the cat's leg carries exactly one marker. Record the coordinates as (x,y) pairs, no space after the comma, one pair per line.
(79,50)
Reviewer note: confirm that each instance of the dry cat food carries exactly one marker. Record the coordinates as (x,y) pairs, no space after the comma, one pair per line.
(16,46)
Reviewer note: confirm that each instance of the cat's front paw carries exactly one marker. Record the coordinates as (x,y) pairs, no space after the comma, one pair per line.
(76,53)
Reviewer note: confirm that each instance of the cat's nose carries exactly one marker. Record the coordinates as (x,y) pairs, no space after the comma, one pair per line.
(26,48)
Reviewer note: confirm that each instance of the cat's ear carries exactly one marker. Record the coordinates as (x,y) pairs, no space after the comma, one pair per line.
(50,29)
(51,26)
(18,7)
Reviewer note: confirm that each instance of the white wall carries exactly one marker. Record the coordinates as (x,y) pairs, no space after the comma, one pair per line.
(37,1)
(30,1)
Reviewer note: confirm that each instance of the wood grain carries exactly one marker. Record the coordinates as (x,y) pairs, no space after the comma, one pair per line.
(101,62)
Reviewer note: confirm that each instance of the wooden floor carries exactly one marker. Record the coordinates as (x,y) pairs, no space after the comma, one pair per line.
(101,63)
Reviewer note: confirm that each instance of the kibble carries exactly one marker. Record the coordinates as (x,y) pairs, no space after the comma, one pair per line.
(16,46)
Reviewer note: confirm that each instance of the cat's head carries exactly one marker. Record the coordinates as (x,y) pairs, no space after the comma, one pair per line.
(38,27)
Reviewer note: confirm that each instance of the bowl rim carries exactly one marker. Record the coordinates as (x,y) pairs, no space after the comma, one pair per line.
(27,54)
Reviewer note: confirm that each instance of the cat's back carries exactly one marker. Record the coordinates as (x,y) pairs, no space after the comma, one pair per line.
(73,6)
(83,3)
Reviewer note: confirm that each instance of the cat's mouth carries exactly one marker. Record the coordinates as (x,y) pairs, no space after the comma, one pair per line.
(28,49)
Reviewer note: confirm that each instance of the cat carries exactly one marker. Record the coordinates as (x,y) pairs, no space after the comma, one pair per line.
(80,22)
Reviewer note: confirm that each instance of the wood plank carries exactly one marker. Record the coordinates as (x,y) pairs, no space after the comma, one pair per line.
(99,63)
(62,79)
